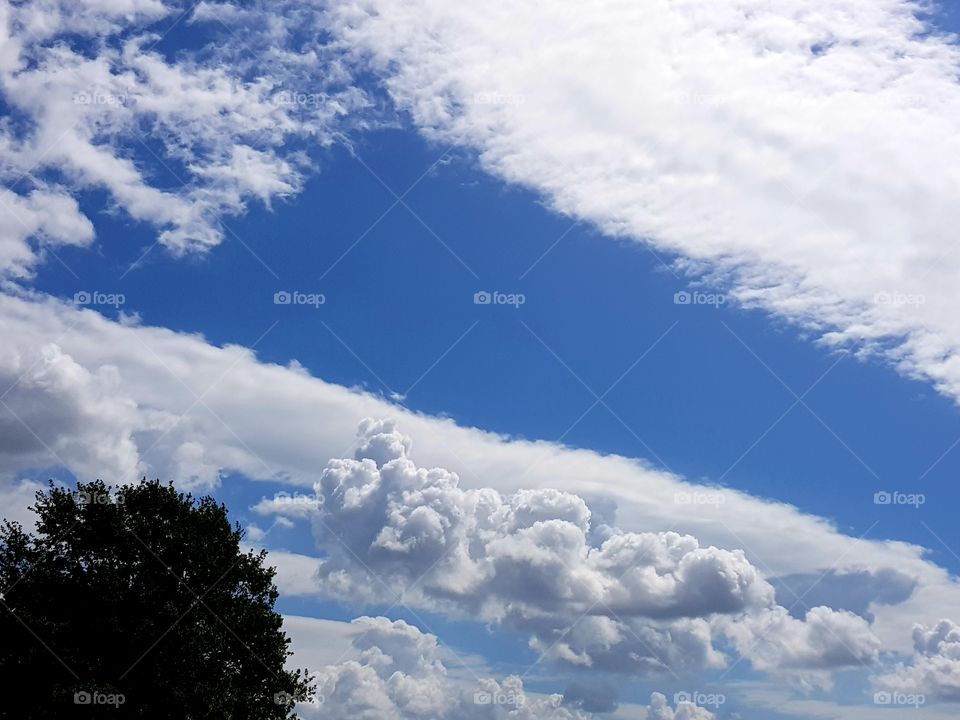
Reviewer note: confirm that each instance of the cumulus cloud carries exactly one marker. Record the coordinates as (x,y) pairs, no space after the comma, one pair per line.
(631,602)
(397,672)
(97,104)
(660,710)
(171,405)
(798,154)
(935,669)
(400,674)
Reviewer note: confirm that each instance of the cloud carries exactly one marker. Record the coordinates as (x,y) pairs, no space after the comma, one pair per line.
(171,405)
(855,591)
(46,214)
(824,640)
(935,669)
(591,697)
(633,602)
(399,673)
(176,142)
(315,642)
(53,409)
(660,710)
(393,671)
(798,155)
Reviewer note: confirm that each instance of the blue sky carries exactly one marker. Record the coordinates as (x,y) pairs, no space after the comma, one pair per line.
(796,397)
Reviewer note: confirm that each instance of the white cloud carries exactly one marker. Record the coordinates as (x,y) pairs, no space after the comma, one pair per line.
(825,640)
(47,215)
(176,143)
(56,412)
(780,701)
(626,601)
(935,670)
(171,405)
(661,710)
(393,671)
(802,153)
(396,672)
(315,642)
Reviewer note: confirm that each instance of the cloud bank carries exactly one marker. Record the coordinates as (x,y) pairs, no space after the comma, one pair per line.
(116,400)
(590,595)
(797,153)
(401,673)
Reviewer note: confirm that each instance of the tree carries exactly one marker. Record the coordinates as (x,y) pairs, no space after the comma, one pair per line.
(139,604)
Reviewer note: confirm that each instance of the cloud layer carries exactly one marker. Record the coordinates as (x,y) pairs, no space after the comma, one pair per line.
(800,153)
(117,400)
(401,673)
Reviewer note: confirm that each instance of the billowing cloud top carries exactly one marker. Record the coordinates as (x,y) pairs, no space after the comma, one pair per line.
(589,594)
(935,669)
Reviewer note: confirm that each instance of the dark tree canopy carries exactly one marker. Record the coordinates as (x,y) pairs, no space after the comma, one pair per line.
(139,604)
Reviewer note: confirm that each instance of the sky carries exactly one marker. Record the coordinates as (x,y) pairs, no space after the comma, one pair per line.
(569,361)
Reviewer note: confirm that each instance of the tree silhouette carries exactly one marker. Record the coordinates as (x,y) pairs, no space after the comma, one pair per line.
(139,604)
